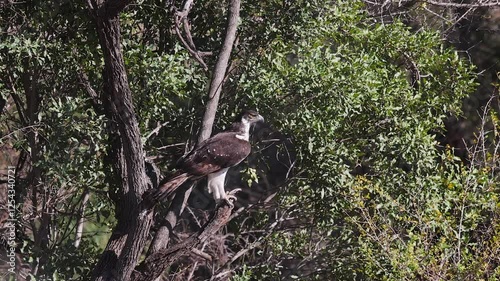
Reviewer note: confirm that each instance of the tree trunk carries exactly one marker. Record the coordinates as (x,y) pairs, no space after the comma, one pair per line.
(126,153)
(126,157)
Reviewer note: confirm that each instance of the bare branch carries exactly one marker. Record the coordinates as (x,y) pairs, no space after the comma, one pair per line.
(220,71)
(79,227)
(156,130)
(201,254)
(181,16)
(192,51)
(186,8)
(463,5)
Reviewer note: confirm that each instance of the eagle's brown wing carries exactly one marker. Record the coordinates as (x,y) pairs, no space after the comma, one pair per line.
(223,150)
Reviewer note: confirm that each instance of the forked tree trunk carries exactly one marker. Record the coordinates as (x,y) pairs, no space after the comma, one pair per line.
(126,157)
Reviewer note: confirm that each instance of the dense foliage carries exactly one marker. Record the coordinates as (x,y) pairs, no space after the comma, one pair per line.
(363,103)
(370,194)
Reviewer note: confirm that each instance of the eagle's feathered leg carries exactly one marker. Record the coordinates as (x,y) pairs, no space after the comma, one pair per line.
(215,184)
(216,187)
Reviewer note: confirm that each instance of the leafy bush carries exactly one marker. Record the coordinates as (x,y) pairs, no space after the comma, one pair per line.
(363,102)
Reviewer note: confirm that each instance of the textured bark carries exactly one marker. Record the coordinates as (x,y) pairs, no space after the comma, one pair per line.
(126,157)
(162,236)
(126,154)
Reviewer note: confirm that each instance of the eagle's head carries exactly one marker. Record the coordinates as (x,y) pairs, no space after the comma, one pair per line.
(244,121)
(249,117)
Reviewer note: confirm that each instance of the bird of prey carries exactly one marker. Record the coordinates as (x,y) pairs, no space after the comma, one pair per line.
(212,158)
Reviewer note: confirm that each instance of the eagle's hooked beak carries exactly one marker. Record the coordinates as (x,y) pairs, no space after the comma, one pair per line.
(260,119)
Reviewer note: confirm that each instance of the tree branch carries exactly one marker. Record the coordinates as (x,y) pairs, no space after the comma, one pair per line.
(181,16)
(177,206)
(220,71)
(463,5)
(81,218)
(154,264)
(192,51)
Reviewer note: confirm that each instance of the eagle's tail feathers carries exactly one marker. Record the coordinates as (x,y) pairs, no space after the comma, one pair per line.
(166,188)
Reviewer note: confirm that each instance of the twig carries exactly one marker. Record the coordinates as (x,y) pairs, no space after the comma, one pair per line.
(463,5)
(201,254)
(171,145)
(20,129)
(181,16)
(156,130)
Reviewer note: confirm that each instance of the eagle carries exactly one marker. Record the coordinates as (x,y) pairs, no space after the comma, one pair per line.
(212,158)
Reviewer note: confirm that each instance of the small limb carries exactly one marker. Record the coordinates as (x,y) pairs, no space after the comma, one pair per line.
(230,197)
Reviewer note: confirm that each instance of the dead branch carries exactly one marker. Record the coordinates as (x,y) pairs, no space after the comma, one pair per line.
(81,212)
(201,254)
